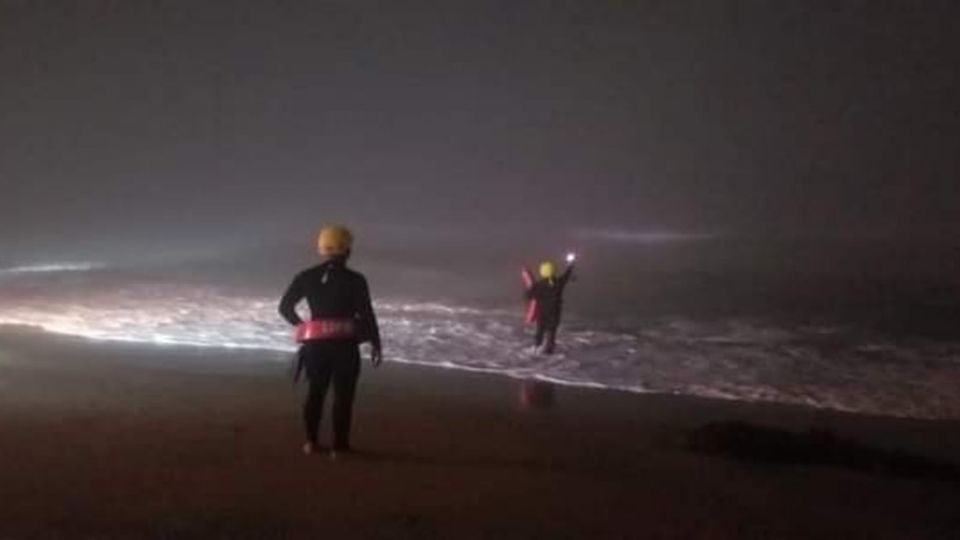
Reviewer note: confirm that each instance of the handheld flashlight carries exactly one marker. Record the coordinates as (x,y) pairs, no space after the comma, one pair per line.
(571,257)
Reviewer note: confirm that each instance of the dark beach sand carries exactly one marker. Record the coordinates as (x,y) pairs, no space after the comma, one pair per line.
(120,441)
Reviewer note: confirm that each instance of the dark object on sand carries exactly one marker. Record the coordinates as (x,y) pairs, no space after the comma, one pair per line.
(763,444)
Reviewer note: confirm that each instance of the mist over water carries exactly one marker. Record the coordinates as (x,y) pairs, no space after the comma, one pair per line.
(866,326)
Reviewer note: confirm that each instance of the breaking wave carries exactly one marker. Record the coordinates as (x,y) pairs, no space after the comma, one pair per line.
(745,359)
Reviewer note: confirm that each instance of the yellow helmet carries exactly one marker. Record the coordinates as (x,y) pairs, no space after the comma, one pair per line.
(548,270)
(334,240)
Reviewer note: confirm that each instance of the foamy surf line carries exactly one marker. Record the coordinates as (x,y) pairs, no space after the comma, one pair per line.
(733,359)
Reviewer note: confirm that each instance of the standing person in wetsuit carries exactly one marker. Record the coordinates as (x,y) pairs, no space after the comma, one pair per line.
(548,292)
(341,317)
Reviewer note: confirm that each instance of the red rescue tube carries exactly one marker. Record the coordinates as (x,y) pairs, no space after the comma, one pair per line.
(532,312)
(325,329)
(527,277)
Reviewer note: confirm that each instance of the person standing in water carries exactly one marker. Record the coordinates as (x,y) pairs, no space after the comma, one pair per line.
(341,317)
(547,291)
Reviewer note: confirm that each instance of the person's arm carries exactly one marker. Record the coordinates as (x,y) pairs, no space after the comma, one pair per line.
(368,322)
(289,301)
(567,274)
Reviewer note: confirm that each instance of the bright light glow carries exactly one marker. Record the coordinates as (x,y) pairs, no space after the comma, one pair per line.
(644,237)
(50,268)
(571,257)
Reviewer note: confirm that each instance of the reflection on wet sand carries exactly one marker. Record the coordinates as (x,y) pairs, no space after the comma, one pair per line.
(536,394)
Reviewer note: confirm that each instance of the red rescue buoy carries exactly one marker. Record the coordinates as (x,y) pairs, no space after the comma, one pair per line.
(325,329)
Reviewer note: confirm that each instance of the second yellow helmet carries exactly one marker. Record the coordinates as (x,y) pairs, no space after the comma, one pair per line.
(548,270)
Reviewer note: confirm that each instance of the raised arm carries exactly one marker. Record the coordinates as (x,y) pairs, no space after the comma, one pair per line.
(567,273)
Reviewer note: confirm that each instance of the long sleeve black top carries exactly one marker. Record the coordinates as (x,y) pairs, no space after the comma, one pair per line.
(549,295)
(332,291)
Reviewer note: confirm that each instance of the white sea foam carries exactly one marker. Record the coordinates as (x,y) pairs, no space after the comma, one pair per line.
(743,359)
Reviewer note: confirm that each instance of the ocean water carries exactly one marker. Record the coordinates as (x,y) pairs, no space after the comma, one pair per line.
(845,363)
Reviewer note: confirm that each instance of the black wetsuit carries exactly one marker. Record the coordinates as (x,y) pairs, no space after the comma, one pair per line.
(332,291)
(549,296)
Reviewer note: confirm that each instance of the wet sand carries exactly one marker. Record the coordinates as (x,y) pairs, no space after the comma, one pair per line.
(121,441)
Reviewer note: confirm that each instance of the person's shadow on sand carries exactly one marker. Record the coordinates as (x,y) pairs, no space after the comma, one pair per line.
(761,444)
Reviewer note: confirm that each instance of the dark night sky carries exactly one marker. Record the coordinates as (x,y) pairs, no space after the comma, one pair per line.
(153,121)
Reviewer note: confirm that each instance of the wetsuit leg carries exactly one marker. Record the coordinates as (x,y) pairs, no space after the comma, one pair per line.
(345,375)
(538,337)
(551,338)
(319,370)
(550,323)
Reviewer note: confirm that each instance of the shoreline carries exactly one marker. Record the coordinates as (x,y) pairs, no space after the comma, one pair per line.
(187,358)
(127,441)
